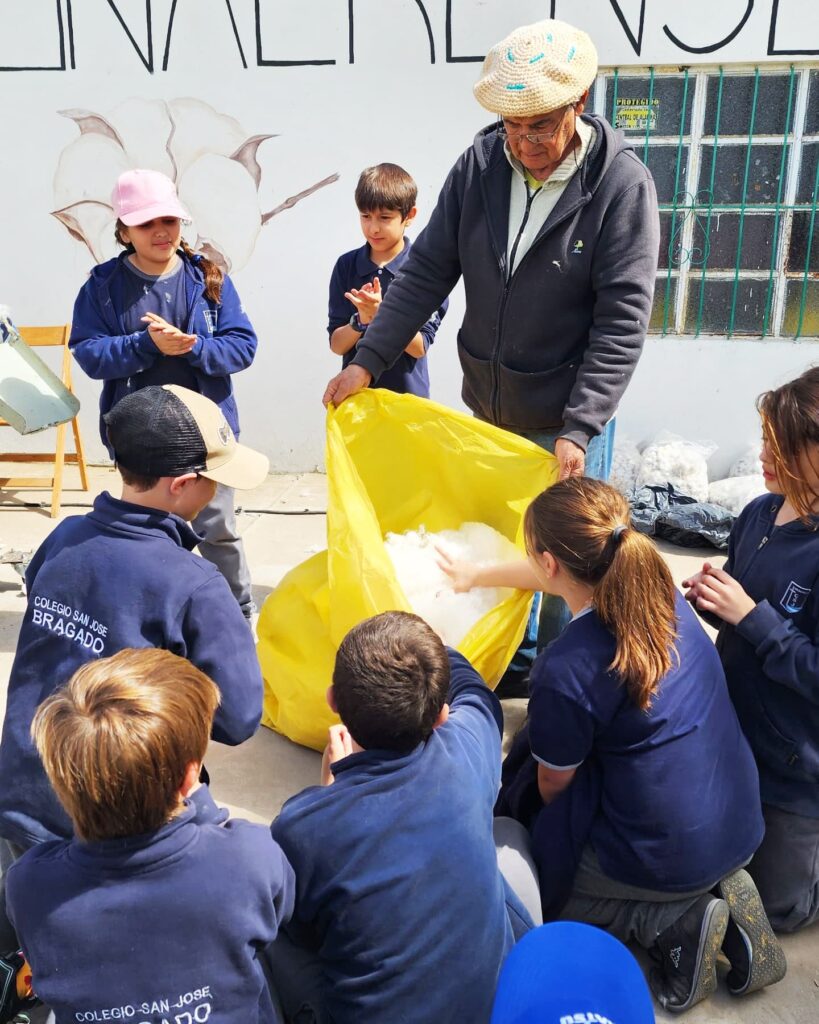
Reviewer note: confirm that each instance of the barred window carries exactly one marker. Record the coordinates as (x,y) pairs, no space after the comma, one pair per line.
(735,157)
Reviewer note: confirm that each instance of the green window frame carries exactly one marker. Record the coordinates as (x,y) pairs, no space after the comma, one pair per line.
(735,154)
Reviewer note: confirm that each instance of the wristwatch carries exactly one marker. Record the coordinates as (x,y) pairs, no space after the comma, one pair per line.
(356,324)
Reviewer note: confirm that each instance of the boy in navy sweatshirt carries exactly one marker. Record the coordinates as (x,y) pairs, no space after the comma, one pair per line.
(157,910)
(401,911)
(125,576)
(385,196)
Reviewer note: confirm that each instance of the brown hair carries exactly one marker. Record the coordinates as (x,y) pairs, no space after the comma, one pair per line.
(117,739)
(136,480)
(790,422)
(213,274)
(386,187)
(577,521)
(390,681)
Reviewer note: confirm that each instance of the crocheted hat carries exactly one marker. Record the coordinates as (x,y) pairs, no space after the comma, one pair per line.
(536,69)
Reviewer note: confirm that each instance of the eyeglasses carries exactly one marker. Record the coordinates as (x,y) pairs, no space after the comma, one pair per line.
(535,138)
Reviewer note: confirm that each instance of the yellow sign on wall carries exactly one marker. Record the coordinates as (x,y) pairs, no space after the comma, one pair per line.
(633,114)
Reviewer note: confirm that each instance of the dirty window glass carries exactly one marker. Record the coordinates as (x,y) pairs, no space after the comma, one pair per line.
(763,173)
(737,103)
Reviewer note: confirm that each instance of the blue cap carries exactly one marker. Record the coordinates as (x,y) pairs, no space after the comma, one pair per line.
(570,973)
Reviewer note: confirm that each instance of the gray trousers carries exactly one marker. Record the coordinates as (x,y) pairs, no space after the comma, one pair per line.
(786,869)
(626,911)
(223,545)
(297,981)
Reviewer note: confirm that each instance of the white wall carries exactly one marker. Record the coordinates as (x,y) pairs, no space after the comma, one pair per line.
(392,103)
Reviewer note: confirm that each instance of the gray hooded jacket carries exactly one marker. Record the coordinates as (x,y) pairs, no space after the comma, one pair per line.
(554,345)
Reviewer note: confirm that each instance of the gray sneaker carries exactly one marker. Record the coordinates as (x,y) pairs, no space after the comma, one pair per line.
(752,949)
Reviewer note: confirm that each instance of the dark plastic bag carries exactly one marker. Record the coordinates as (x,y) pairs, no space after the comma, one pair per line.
(678,518)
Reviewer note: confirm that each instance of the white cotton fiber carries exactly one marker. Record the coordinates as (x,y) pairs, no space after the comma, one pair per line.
(735,492)
(625,465)
(748,462)
(672,460)
(429,590)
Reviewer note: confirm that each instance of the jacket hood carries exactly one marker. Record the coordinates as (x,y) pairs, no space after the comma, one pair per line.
(137,519)
(102,273)
(488,148)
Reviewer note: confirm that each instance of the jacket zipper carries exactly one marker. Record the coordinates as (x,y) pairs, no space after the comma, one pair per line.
(508,273)
(507,270)
(763,543)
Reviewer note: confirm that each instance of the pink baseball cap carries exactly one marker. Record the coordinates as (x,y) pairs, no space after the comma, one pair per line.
(141,195)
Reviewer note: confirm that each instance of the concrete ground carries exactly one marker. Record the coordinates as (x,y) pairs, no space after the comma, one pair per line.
(281,529)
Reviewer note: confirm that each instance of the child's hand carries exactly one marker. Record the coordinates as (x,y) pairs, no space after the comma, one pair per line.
(462,574)
(366,300)
(339,746)
(721,595)
(168,339)
(692,584)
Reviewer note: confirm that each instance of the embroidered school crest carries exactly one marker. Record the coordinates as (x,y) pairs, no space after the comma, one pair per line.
(578,247)
(794,598)
(211,318)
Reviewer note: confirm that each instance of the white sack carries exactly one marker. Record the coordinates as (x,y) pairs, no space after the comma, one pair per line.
(625,465)
(669,459)
(735,492)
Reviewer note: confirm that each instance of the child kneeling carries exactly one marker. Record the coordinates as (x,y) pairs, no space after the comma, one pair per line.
(158,908)
(402,913)
(635,781)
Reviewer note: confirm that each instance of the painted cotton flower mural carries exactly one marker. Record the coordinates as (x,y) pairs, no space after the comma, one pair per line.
(209,156)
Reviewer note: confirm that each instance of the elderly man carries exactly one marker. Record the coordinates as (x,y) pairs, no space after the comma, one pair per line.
(552,221)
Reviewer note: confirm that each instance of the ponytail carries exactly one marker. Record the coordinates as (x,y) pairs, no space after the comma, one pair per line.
(635,599)
(584,524)
(213,274)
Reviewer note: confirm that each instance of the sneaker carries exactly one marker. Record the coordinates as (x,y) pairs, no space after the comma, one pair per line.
(15,988)
(755,956)
(686,954)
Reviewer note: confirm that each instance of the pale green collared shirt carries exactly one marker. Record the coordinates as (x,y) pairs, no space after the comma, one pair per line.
(546,194)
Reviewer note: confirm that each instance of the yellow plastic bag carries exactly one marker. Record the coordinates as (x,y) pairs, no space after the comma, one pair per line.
(394,463)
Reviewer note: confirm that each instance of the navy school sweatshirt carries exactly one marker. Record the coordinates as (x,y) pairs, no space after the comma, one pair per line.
(121,576)
(771,657)
(398,887)
(162,928)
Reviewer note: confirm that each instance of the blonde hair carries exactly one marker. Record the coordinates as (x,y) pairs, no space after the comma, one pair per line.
(790,422)
(585,525)
(117,739)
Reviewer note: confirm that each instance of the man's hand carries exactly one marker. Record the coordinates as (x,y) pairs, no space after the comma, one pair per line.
(348,382)
(168,339)
(571,458)
(720,594)
(340,745)
(366,300)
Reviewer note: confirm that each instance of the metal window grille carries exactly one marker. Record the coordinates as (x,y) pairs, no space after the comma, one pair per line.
(735,156)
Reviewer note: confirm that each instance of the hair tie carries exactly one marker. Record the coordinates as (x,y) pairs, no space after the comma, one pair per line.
(618,532)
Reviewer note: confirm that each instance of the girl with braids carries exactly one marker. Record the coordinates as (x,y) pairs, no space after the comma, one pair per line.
(633,778)
(161,314)
(765,601)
